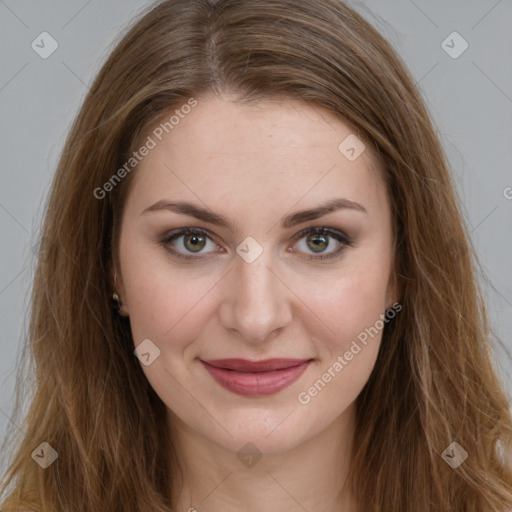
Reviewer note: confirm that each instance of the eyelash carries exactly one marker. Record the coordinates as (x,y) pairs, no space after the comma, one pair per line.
(340,237)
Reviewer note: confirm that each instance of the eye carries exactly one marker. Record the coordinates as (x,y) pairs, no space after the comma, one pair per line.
(194,240)
(318,240)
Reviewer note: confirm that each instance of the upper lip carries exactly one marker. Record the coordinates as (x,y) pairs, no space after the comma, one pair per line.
(244,365)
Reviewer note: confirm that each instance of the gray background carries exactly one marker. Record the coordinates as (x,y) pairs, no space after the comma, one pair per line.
(470,98)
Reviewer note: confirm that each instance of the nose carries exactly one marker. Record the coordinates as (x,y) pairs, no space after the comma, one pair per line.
(257,304)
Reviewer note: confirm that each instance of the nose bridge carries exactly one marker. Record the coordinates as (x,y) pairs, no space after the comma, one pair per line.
(258,303)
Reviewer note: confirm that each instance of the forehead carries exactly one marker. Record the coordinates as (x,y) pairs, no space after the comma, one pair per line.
(226,152)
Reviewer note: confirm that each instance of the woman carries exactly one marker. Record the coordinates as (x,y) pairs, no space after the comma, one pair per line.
(255,289)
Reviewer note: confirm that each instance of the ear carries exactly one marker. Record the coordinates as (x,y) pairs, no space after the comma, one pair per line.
(117,287)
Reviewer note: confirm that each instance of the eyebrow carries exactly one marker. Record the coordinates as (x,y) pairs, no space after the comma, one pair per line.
(207,215)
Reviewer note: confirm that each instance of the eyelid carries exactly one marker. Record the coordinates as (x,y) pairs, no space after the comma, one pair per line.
(321,230)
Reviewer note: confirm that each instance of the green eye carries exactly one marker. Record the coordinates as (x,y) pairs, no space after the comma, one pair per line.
(319,239)
(194,240)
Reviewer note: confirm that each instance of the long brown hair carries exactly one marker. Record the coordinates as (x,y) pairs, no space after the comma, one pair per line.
(434,381)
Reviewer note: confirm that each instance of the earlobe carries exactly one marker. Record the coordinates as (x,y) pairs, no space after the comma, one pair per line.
(119,308)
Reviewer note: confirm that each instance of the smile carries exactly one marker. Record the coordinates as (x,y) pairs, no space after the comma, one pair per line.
(255,378)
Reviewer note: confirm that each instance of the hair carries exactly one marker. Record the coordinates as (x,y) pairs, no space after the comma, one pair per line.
(434,380)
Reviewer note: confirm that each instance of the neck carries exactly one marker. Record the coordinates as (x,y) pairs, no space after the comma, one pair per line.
(310,476)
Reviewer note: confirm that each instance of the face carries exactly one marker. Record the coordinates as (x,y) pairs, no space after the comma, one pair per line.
(251,316)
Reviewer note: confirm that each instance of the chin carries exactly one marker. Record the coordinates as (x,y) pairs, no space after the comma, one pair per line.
(272,432)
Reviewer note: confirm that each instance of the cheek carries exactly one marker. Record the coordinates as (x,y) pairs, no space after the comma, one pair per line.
(162,303)
(151,292)
(353,308)
(347,304)
(168,304)
(339,378)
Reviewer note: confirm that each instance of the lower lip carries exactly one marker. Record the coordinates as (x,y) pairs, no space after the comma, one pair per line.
(258,383)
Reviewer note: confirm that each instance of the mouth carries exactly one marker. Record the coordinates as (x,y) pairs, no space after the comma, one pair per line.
(255,378)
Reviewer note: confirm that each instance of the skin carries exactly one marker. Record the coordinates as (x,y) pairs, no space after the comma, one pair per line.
(254,165)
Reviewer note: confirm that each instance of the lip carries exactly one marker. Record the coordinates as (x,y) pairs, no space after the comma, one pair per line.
(255,378)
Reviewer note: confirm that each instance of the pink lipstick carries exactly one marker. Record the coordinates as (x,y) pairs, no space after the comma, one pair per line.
(255,378)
